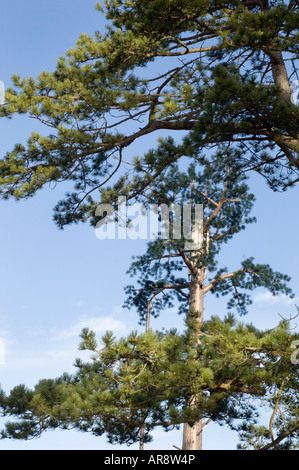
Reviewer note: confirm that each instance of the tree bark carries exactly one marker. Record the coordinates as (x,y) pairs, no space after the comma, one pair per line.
(279,71)
(280,75)
(192,435)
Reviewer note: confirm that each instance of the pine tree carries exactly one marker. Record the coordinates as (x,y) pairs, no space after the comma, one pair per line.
(215,370)
(212,72)
(218,76)
(222,190)
(144,381)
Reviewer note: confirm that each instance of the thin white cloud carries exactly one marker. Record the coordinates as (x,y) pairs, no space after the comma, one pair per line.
(2,351)
(268,298)
(97,324)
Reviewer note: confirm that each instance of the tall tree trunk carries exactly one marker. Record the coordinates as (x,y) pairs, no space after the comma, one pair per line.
(141,440)
(280,75)
(288,144)
(192,435)
(147,325)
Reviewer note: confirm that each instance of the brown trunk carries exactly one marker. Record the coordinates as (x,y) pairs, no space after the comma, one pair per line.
(147,325)
(279,71)
(288,144)
(192,435)
(141,441)
(280,75)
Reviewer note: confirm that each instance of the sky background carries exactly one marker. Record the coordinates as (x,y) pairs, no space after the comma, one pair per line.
(53,283)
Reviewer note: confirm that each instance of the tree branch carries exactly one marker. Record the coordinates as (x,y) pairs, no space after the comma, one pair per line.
(282,436)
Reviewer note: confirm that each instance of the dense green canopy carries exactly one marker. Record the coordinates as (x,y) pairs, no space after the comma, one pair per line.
(216,79)
(145,380)
(218,71)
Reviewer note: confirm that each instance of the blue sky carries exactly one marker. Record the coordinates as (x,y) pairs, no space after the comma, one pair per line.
(54,283)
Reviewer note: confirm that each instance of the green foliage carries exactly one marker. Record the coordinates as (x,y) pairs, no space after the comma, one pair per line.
(145,380)
(163,271)
(206,71)
(214,74)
